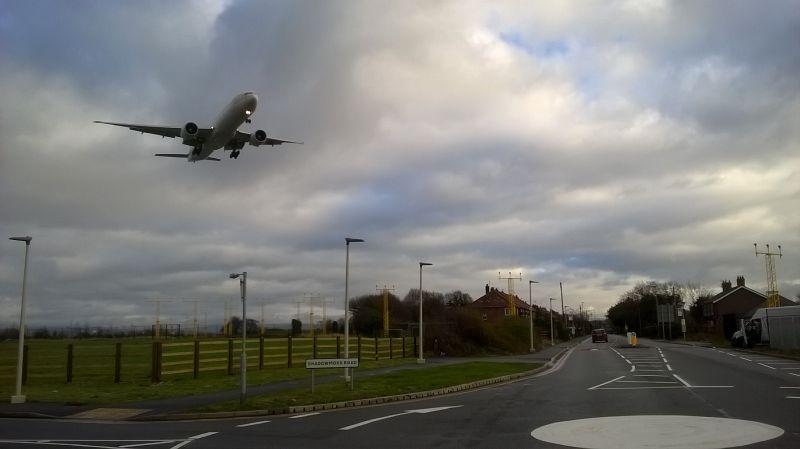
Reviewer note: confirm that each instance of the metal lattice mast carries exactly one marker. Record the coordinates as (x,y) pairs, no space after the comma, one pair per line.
(773,298)
(512,307)
(385,292)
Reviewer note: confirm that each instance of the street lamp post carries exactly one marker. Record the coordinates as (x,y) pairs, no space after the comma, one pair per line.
(420,358)
(551,321)
(347,241)
(243,358)
(530,309)
(19,398)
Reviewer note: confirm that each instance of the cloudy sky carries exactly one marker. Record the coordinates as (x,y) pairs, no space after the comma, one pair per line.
(591,143)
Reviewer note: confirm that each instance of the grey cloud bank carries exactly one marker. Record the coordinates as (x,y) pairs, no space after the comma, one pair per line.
(591,144)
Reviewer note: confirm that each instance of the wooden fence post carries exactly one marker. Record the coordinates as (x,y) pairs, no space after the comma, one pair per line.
(25,365)
(391,349)
(230,357)
(314,346)
(289,351)
(155,373)
(359,348)
(69,363)
(404,346)
(338,353)
(261,352)
(415,346)
(376,348)
(117,362)
(196,360)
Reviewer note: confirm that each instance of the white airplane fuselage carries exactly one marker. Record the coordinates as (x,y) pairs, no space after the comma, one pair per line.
(224,128)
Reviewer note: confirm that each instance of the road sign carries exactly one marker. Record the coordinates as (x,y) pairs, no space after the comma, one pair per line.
(331,363)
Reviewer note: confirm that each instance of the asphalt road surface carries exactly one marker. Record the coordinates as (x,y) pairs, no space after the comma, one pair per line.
(599,396)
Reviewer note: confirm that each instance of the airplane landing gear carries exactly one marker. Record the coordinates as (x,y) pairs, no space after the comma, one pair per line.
(234,154)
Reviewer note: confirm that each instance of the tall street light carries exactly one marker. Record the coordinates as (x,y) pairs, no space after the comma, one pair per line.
(420,358)
(530,309)
(551,321)
(243,360)
(347,241)
(19,398)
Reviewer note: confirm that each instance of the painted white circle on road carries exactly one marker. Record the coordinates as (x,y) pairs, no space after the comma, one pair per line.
(656,431)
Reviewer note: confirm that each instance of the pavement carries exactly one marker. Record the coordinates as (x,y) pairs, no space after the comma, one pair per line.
(162,408)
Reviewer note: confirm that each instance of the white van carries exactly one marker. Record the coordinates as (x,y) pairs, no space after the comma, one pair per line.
(756,330)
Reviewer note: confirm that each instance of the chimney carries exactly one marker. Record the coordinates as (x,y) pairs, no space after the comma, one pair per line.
(487,289)
(740,281)
(726,286)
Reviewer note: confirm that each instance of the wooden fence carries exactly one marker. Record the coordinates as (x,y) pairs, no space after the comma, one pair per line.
(52,361)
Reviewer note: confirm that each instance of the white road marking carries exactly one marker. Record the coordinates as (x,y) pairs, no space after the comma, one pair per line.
(770,367)
(656,431)
(745,358)
(190,439)
(651,370)
(791,368)
(422,411)
(646,382)
(633,368)
(792,397)
(304,415)
(793,374)
(682,381)
(143,444)
(605,383)
(790,387)
(669,367)
(253,423)
(649,375)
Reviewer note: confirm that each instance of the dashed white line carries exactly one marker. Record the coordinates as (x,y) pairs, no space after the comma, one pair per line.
(253,423)
(745,358)
(606,383)
(190,439)
(686,384)
(304,415)
(793,374)
(792,397)
(669,367)
(770,367)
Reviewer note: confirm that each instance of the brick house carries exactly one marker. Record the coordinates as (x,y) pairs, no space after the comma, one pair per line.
(723,311)
(493,306)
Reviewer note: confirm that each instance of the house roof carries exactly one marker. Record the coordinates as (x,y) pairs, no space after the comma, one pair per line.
(498,299)
(722,295)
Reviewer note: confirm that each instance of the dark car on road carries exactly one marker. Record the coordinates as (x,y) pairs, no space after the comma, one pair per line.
(599,335)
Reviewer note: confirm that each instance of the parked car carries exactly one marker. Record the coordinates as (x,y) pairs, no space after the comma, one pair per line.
(599,335)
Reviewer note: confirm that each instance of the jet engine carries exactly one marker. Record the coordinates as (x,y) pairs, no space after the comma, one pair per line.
(258,138)
(189,132)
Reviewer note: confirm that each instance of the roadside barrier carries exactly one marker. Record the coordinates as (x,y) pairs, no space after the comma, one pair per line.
(54,361)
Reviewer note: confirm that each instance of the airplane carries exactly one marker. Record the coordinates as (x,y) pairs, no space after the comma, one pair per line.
(223,134)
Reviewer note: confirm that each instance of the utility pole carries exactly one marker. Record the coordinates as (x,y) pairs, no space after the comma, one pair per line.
(385,292)
(563,311)
(773,298)
(194,320)
(511,304)
(157,329)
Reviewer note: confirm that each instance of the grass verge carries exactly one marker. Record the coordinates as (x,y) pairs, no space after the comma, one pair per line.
(397,383)
(82,392)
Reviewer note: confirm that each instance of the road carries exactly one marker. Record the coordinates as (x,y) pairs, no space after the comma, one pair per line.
(602,395)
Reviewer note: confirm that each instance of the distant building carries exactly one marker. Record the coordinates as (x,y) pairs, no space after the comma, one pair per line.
(493,306)
(723,311)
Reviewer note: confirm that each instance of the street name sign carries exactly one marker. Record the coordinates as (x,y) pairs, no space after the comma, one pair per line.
(331,363)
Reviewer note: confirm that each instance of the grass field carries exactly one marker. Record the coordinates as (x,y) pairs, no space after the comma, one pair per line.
(397,383)
(93,367)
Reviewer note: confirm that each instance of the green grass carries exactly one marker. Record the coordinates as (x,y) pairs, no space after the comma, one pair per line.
(397,383)
(93,368)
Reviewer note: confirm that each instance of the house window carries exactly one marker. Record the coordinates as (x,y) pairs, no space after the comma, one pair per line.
(507,311)
(484,317)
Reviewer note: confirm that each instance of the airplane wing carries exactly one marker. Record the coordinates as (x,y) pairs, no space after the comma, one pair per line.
(163,131)
(184,156)
(243,138)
